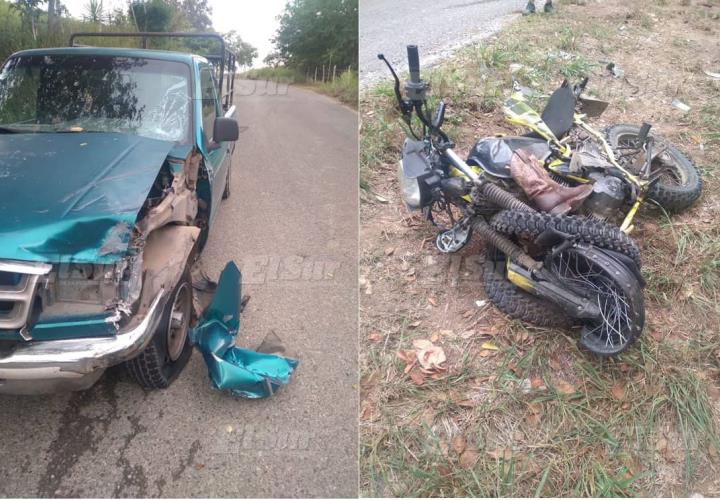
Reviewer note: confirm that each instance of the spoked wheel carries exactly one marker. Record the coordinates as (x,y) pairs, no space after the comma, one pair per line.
(678,185)
(593,268)
(445,216)
(612,287)
(514,301)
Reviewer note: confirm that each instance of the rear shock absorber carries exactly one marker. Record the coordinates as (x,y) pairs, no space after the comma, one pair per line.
(506,246)
(502,198)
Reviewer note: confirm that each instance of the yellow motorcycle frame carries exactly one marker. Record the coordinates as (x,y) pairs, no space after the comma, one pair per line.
(518,112)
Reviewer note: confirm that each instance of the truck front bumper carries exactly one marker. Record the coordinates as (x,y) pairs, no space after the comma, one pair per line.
(39,367)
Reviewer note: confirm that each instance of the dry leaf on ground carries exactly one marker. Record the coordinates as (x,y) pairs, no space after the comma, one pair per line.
(537,383)
(417,377)
(554,364)
(500,453)
(564,387)
(468,459)
(618,391)
(467,334)
(430,356)
(459,444)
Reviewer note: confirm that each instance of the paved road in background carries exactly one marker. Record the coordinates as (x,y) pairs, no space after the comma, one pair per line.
(291,224)
(437,26)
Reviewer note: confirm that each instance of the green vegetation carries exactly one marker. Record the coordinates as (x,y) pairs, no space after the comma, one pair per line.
(26,24)
(538,417)
(343,87)
(316,45)
(316,33)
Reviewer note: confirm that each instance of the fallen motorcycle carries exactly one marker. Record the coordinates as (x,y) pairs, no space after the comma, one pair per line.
(550,269)
(613,172)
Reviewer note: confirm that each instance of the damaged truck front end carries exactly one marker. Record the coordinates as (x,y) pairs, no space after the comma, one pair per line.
(113,163)
(100,295)
(108,182)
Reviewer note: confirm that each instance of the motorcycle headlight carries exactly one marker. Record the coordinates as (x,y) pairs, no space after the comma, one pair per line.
(409,188)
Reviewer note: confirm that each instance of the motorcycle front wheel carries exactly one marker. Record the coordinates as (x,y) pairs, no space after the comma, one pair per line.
(612,287)
(591,267)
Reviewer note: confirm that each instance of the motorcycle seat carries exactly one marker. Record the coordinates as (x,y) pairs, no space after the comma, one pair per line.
(493,154)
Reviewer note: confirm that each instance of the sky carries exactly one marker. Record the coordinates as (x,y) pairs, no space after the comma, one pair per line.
(254,20)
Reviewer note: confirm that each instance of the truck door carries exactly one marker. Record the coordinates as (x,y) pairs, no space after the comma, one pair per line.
(217,156)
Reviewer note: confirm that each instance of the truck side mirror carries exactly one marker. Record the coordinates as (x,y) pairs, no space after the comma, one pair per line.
(225,130)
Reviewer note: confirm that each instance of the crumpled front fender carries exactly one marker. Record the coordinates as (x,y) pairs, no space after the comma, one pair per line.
(243,372)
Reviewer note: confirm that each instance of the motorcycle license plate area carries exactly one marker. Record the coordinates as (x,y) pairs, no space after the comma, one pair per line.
(242,372)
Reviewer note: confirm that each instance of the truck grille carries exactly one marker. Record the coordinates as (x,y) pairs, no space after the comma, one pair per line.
(18,281)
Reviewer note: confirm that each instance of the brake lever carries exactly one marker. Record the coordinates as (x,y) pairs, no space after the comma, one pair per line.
(405,106)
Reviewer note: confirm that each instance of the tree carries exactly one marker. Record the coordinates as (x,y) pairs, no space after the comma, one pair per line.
(244,52)
(117,17)
(29,12)
(197,13)
(153,15)
(94,11)
(52,17)
(315,32)
(273,60)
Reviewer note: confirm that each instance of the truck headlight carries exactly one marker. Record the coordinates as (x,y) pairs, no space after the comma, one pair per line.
(409,188)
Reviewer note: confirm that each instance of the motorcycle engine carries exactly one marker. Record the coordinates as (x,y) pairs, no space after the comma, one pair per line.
(607,197)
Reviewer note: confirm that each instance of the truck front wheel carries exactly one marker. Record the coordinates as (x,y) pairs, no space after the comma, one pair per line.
(169,350)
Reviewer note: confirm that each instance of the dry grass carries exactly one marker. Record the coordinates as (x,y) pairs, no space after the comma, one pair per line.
(537,416)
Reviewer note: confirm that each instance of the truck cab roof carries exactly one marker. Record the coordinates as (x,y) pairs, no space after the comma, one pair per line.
(165,55)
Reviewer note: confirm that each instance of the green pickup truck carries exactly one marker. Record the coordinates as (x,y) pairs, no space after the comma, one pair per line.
(113,166)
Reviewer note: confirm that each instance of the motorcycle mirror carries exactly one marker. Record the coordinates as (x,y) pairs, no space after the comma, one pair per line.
(439,116)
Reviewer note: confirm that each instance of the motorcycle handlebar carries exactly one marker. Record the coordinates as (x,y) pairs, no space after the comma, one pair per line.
(413,63)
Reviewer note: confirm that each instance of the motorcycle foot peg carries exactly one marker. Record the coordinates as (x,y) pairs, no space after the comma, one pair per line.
(452,240)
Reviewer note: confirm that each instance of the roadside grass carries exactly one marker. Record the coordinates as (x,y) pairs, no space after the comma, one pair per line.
(538,417)
(344,88)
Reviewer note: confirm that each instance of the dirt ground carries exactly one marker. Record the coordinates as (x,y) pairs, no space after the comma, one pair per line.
(520,410)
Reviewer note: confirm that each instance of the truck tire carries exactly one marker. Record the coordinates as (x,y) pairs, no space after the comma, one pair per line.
(169,350)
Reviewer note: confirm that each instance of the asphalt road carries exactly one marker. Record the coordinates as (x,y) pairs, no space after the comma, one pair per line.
(438,27)
(291,225)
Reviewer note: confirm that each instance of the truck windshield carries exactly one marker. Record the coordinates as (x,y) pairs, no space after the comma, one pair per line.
(95,93)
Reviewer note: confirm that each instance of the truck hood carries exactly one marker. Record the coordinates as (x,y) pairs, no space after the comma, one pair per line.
(73,197)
